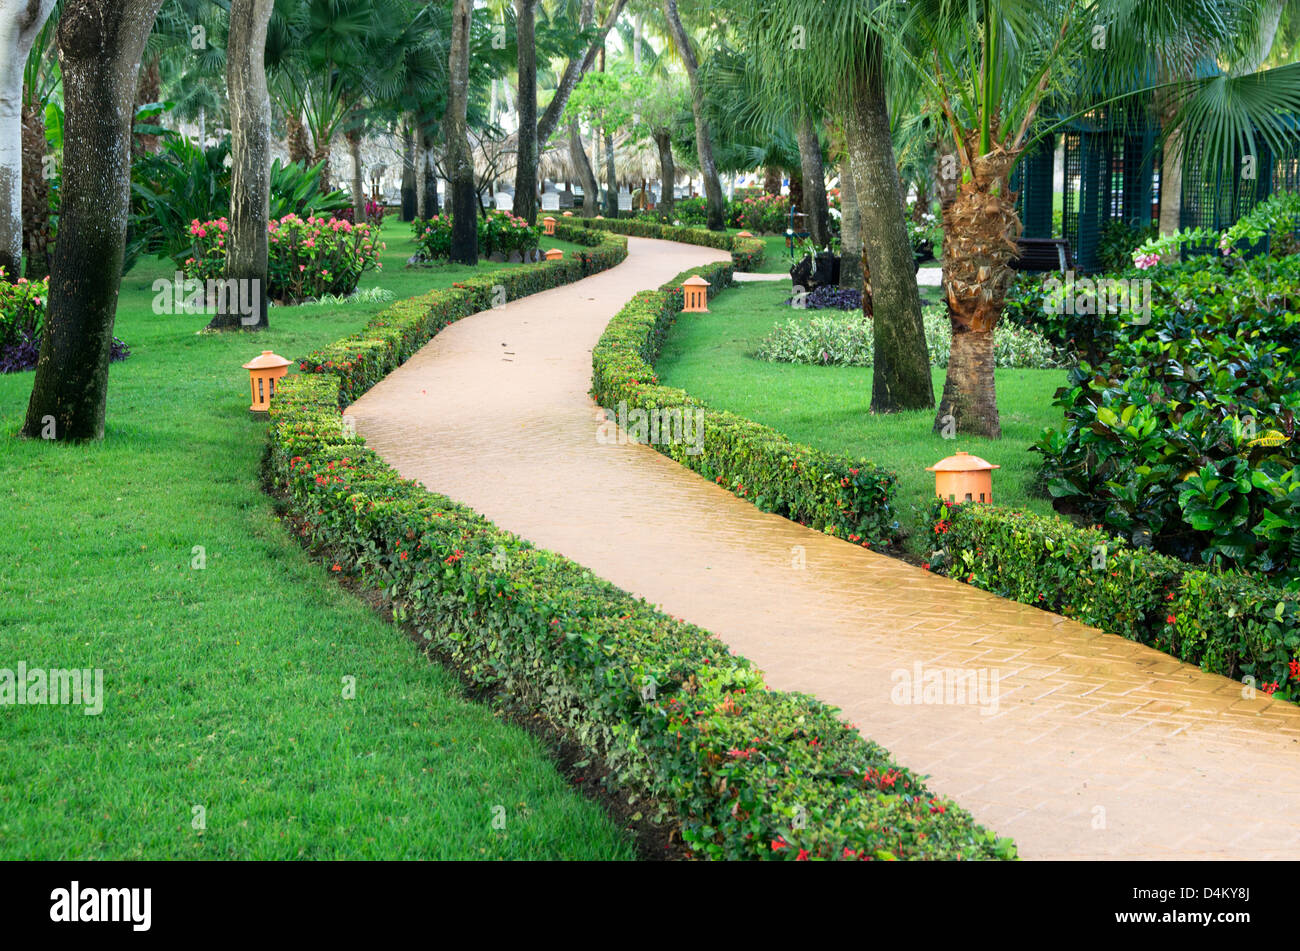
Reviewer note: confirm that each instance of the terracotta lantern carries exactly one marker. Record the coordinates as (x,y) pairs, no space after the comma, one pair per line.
(963,478)
(549,222)
(695,290)
(568,214)
(600,217)
(744,234)
(263,371)
(554,254)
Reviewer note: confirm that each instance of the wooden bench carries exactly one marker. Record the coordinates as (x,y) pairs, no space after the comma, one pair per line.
(1044,254)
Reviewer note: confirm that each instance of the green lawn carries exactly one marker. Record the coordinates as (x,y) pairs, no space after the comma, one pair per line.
(708,355)
(224,686)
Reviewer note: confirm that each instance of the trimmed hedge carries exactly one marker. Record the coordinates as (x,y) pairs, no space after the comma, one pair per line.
(852,499)
(751,772)
(1227,623)
(746,253)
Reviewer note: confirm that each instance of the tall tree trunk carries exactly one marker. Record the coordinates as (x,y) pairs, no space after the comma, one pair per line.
(979,240)
(36,193)
(772,180)
(611,179)
(814,182)
(850,230)
(1171,171)
(296,140)
(100,44)
(321,156)
(353,137)
(250,163)
(901,378)
(575,68)
(203,127)
(426,174)
(525,203)
(586,176)
(409,187)
(703,134)
(460,162)
(20,22)
(667,175)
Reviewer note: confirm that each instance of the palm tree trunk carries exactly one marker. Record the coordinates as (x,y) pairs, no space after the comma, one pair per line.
(586,176)
(296,138)
(460,161)
(969,395)
(321,156)
(36,193)
(148,91)
(703,134)
(575,68)
(980,229)
(525,203)
(100,44)
(353,137)
(1171,172)
(814,181)
(250,173)
(850,231)
(772,180)
(611,179)
(667,175)
(901,378)
(24,21)
(409,187)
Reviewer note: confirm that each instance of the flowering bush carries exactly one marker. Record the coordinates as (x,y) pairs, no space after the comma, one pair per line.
(499,232)
(22,321)
(22,308)
(375,212)
(764,213)
(309,257)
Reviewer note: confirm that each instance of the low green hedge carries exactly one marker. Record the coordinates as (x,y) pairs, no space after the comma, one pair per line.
(392,337)
(1227,623)
(852,499)
(751,772)
(746,253)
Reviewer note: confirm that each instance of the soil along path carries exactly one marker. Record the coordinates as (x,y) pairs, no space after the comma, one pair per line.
(1076,743)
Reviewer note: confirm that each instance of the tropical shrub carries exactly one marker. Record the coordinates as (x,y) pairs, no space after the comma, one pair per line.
(500,232)
(691,212)
(309,258)
(764,214)
(1118,241)
(22,322)
(1184,429)
(847,339)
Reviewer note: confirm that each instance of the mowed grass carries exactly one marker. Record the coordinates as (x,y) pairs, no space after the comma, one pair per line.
(829,408)
(224,687)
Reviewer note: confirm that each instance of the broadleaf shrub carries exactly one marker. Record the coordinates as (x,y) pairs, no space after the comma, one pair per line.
(309,257)
(1226,622)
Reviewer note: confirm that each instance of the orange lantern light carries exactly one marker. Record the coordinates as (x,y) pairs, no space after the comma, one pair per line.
(600,217)
(549,222)
(695,290)
(963,478)
(554,254)
(744,234)
(263,371)
(568,214)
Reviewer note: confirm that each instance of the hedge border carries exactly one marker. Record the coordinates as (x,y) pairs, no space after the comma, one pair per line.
(751,772)
(1227,623)
(746,253)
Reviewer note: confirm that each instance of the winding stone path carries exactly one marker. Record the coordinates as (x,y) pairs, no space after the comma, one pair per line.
(1096,747)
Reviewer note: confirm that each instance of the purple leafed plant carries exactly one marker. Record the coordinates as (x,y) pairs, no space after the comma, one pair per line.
(834,298)
(23,353)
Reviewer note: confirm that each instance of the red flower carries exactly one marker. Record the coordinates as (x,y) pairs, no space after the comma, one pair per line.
(1171,619)
(802,856)
(1295,669)
(336,567)
(925,566)
(778,844)
(1270,689)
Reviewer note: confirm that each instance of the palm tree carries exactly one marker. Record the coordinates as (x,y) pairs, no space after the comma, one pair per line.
(40,83)
(703,133)
(838,67)
(460,162)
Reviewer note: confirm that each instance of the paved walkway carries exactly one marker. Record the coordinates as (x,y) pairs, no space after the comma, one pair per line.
(1097,748)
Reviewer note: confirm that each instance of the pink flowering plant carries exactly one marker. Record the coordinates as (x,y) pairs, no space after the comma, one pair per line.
(22,308)
(770,213)
(309,257)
